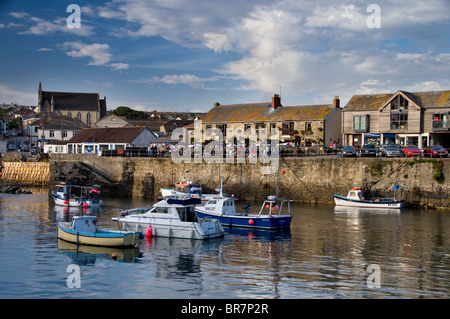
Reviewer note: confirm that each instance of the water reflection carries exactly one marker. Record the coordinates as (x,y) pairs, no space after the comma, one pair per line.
(325,254)
(87,255)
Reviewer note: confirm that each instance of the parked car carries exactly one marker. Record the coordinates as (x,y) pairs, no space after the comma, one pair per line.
(11,147)
(24,147)
(391,150)
(369,150)
(435,151)
(348,150)
(411,150)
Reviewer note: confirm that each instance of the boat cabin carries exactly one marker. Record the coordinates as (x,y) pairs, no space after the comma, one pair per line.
(355,193)
(85,224)
(221,205)
(184,209)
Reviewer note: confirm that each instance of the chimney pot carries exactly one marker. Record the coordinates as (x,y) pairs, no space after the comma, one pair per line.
(336,102)
(276,101)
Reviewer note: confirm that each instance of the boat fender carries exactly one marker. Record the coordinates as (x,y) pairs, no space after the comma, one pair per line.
(66,202)
(149,232)
(251,221)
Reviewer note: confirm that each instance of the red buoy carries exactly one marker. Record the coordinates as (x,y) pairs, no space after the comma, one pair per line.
(149,232)
(251,221)
(283,171)
(66,202)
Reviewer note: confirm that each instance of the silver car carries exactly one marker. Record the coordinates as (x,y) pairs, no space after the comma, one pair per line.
(391,151)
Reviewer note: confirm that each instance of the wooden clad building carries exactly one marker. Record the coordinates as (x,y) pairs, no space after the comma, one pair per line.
(405,118)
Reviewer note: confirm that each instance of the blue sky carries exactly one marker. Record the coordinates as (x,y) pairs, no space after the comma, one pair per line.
(184,55)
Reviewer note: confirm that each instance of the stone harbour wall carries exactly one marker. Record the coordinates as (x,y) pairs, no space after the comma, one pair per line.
(423,182)
(34,173)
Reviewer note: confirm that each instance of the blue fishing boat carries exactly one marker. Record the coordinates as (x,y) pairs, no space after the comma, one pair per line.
(83,230)
(269,216)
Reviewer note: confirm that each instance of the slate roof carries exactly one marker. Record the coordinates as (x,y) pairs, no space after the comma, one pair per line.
(58,122)
(108,135)
(373,102)
(72,101)
(263,112)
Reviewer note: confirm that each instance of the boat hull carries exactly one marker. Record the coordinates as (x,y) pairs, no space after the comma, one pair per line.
(251,221)
(99,238)
(345,201)
(173,229)
(95,202)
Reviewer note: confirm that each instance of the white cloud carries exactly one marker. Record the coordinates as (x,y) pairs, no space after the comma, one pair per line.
(120,66)
(174,79)
(97,52)
(11,95)
(46,27)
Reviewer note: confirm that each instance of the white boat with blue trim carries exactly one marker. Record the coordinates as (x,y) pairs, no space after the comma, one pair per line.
(83,231)
(77,196)
(355,198)
(269,216)
(172,217)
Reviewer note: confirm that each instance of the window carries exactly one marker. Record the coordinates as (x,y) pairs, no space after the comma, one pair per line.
(69,114)
(52,134)
(308,126)
(287,128)
(399,113)
(88,118)
(79,116)
(161,210)
(399,121)
(399,103)
(64,133)
(223,129)
(440,121)
(361,123)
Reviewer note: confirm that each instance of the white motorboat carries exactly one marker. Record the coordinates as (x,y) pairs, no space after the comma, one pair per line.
(355,198)
(173,217)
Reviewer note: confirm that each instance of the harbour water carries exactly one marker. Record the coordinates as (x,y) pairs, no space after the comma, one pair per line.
(326,254)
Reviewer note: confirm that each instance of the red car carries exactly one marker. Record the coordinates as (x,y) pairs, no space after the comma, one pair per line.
(411,150)
(435,151)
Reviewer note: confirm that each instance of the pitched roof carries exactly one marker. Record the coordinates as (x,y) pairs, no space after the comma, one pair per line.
(50,121)
(263,112)
(72,101)
(108,135)
(373,102)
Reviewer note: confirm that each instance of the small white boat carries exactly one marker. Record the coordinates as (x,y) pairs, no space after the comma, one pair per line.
(173,217)
(355,198)
(83,230)
(269,216)
(77,196)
